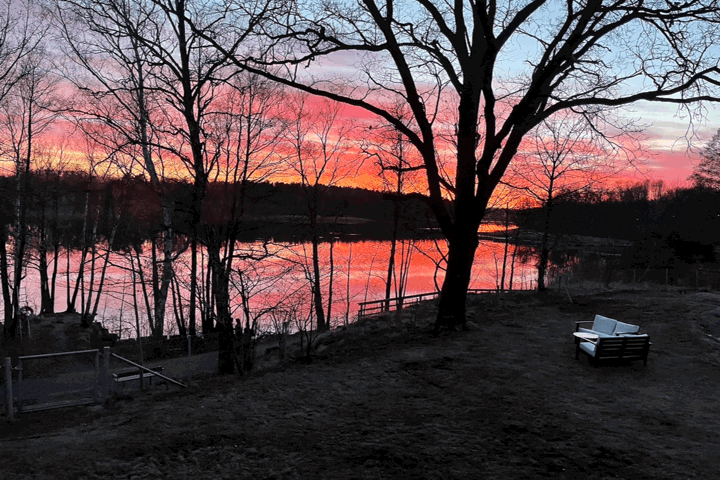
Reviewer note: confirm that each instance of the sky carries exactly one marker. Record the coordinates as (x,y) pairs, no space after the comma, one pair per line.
(672,144)
(672,156)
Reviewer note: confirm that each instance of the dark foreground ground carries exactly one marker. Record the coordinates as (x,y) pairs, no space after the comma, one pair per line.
(387,400)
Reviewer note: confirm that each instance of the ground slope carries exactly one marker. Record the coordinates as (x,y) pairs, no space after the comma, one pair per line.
(387,400)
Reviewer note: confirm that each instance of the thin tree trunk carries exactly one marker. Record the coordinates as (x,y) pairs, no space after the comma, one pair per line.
(177,307)
(505,249)
(347,288)
(46,303)
(69,308)
(53,280)
(104,269)
(83,255)
(153,328)
(56,239)
(544,250)
(328,319)
(135,307)
(161,293)
(391,260)
(93,257)
(193,286)
(544,244)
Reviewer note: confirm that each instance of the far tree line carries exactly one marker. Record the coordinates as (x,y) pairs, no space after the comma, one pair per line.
(667,227)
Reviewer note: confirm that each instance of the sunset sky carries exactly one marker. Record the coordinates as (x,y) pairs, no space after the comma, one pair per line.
(669,156)
(672,161)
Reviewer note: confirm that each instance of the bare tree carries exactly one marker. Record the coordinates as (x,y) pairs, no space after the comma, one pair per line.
(394,157)
(118,100)
(51,162)
(243,135)
(25,113)
(575,55)
(566,154)
(189,75)
(316,146)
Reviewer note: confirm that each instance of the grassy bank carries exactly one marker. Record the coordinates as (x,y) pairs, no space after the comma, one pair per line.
(384,399)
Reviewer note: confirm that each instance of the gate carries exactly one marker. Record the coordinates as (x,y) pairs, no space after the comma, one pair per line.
(55,380)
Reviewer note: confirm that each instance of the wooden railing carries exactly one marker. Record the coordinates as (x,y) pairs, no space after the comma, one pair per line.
(375,307)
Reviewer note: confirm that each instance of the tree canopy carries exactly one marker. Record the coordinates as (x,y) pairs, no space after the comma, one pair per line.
(479,76)
(707,172)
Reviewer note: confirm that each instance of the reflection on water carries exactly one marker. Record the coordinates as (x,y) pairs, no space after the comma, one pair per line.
(282,279)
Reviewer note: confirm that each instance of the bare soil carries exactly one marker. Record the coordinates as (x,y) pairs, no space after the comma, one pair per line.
(385,399)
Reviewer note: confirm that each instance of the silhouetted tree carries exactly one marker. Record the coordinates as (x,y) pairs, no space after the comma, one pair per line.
(463,58)
(564,154)
(707,172)
(315,145)
(26,110)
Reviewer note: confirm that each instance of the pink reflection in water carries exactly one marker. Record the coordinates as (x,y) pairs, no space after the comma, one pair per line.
(360,272)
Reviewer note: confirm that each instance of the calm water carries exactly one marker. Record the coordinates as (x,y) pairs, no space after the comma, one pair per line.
(282,280)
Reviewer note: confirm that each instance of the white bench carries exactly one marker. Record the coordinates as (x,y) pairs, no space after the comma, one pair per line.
(609,339)
(623,347)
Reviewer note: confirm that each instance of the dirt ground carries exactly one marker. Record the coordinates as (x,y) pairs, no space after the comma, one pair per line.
(385,399)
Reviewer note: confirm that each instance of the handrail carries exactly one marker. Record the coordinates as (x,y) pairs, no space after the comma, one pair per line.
(384,305)
(58,354)
(148,370)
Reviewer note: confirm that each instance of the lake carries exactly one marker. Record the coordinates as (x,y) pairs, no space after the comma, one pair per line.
(281,280)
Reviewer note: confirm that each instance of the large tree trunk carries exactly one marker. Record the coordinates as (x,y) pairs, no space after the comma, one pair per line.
(226,362)
(461,253)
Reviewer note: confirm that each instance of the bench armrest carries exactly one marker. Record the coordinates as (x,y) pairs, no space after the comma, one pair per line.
(577,324)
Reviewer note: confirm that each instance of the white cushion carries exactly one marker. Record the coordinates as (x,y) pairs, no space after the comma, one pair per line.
(588,347)
(621,328)
(604,325)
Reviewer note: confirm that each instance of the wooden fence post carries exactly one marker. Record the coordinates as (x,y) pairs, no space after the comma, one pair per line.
(98,384)
(189,352)
(8,390)
(104,375)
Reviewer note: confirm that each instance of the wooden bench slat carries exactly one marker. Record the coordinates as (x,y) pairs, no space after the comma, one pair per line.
(618,348)
(133,374)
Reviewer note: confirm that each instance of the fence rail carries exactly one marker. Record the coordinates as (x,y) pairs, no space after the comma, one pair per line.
(376,307)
